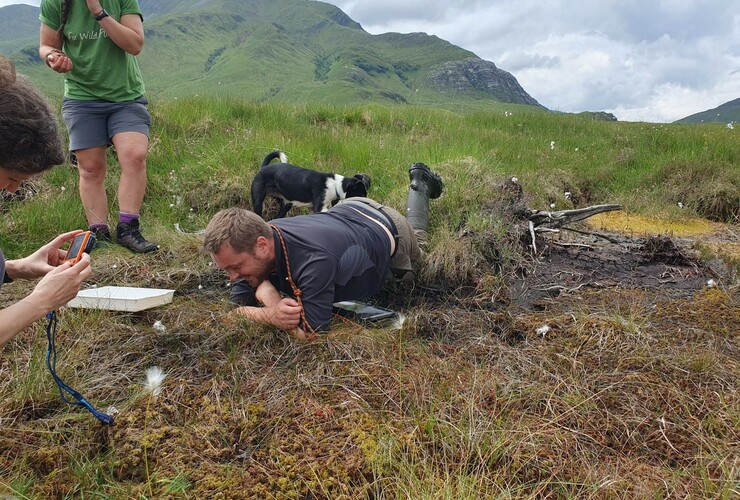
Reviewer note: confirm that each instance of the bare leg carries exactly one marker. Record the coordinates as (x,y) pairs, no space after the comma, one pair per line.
(92,168)
(132,150)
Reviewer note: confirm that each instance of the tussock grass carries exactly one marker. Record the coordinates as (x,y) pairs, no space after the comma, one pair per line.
(631,392)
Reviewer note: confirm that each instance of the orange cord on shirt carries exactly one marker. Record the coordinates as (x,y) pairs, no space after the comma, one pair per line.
(296,291)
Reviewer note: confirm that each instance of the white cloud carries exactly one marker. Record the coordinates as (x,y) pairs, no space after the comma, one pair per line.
(5,3)
(657,60)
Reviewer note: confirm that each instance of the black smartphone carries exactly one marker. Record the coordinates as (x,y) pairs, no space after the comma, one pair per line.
(363,312)
(83,243)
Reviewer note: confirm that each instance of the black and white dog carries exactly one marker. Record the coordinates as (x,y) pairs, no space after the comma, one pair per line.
(301,187)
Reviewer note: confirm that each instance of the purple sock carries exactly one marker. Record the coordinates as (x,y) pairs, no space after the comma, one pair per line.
(96,227)
(127,218)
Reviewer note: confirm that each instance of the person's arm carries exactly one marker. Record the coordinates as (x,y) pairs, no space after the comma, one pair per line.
(18,316)
(41,261)
(59,286)
(128,34)
(281,312)
(50,50)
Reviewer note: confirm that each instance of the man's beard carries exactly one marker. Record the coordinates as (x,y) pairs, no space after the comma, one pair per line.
(265,267)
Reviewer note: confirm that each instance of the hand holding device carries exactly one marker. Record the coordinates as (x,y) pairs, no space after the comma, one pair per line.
(83,243)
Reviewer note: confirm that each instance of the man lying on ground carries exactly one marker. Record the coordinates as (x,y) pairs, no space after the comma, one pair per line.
(298,267)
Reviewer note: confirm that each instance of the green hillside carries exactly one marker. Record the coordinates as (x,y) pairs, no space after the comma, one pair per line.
(728,112)
(19,27)
(291,51)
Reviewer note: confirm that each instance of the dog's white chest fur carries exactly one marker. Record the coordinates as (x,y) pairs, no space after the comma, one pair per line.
(333,191)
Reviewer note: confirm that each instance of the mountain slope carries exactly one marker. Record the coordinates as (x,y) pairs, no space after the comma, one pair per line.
(293,51)
(728,112)
(19,27)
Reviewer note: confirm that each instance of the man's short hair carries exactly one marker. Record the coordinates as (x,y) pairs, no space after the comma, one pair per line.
(238,227)
(29,132)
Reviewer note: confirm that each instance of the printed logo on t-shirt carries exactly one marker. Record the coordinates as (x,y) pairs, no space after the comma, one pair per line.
(88,35)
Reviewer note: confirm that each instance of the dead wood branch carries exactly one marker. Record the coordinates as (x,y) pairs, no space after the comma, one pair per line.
(561,218)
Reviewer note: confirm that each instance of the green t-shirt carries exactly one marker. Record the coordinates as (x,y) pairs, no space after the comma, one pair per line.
(102,70)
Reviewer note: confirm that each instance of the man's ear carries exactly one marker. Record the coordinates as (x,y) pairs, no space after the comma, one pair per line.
(261,246)
(259,243)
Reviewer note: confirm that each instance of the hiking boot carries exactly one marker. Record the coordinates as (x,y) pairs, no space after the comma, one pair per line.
(423,179)
(129,236)
(103,237)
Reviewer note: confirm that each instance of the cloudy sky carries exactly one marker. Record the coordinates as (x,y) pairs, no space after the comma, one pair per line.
(643,60)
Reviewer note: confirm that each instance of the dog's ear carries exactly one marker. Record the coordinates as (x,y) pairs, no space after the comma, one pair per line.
(365,179)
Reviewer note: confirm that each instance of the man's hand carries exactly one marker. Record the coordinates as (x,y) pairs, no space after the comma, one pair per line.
(286,314)
(281,312)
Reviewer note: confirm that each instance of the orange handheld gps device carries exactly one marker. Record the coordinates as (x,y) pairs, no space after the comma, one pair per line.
(83,243)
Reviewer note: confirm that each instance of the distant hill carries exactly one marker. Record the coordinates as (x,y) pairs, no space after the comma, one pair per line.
(19,27)
(284,51)
(728,112)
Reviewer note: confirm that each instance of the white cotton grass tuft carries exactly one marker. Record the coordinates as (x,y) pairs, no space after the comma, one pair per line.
(398,321)
(154,378)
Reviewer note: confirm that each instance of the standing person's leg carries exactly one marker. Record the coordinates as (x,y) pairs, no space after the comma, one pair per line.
(91,166)
(88,139)
(131,148)
(129,128)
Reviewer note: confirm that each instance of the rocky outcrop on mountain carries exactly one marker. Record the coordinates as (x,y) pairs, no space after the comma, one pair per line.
(599,116)
(476,76)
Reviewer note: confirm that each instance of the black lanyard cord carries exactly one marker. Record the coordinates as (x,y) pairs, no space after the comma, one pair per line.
(51,363)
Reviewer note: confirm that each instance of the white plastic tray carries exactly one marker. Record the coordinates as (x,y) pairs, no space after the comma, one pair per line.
(121,298)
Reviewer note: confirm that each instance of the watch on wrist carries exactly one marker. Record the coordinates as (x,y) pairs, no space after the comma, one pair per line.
(101,15)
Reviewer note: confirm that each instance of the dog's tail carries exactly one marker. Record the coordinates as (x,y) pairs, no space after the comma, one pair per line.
(272,156)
